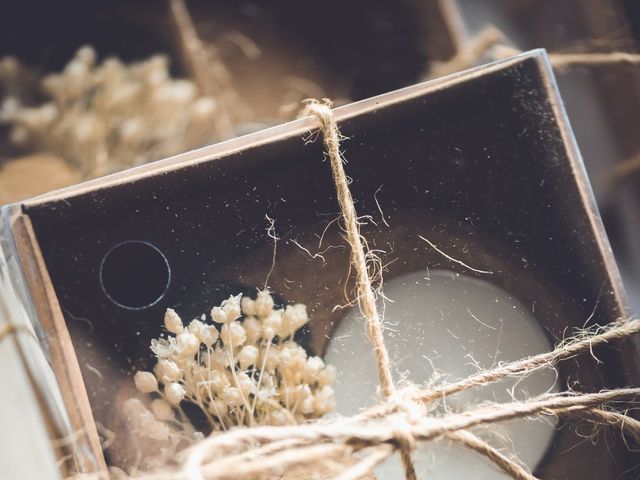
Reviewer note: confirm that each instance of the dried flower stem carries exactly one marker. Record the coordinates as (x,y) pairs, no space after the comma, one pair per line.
(470,54)
(207,69)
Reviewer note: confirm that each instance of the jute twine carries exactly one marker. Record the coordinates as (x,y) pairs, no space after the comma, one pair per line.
(406,416)
(492,42)
(365,292)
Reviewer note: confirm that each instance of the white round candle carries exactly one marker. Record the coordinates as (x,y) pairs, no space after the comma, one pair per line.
(451,323)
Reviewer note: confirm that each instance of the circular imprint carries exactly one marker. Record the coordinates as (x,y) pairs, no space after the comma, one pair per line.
(134,275)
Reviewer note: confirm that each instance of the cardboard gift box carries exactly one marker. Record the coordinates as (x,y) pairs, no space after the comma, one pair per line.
(482,163)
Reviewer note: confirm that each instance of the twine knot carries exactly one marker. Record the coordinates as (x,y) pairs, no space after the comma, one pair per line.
(402,433)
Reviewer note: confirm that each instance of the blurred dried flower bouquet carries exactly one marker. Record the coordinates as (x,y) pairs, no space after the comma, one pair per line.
(97,118)
(127,112)
(244,369)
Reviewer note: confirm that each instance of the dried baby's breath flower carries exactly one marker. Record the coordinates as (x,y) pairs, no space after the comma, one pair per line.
(251,372)
(209,335)
(218,315)
(253,329)
(219,359)
(248,356)
(195,326)
(174,393)
(163,347)
(145,382)
(187,344)
(233,334)
(231,307)
(264,303)
(172,321)
(248,306)
(167,371)
(228,311)
(327,376)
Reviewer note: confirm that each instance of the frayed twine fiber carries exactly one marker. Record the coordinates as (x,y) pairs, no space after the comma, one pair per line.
(407,415)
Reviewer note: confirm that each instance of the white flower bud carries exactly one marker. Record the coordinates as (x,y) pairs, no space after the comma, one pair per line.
(218,381)
(131,129)
(246,383)
(218,315)
(248,306)
(327,376)
(194,327)
(167,371)
(231,307)
(48,113)
(209,335)
(312,369)
(268,333)
(176,93)
(86,54)
(233,334)
(274,322)
(253,329)
(293,356)
(145,382)
(295,316)
(162,410)
(248,356)
(162,347)
(219,359)
(172,321)
(187,344)
(264,303)
(307,405)
(174,393)
(302,392)
(267,384)
(324,401)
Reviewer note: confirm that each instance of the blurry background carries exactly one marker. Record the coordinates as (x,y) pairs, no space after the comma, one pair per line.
(88,88)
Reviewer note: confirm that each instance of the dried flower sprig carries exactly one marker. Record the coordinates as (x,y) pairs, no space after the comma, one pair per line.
(244,369)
